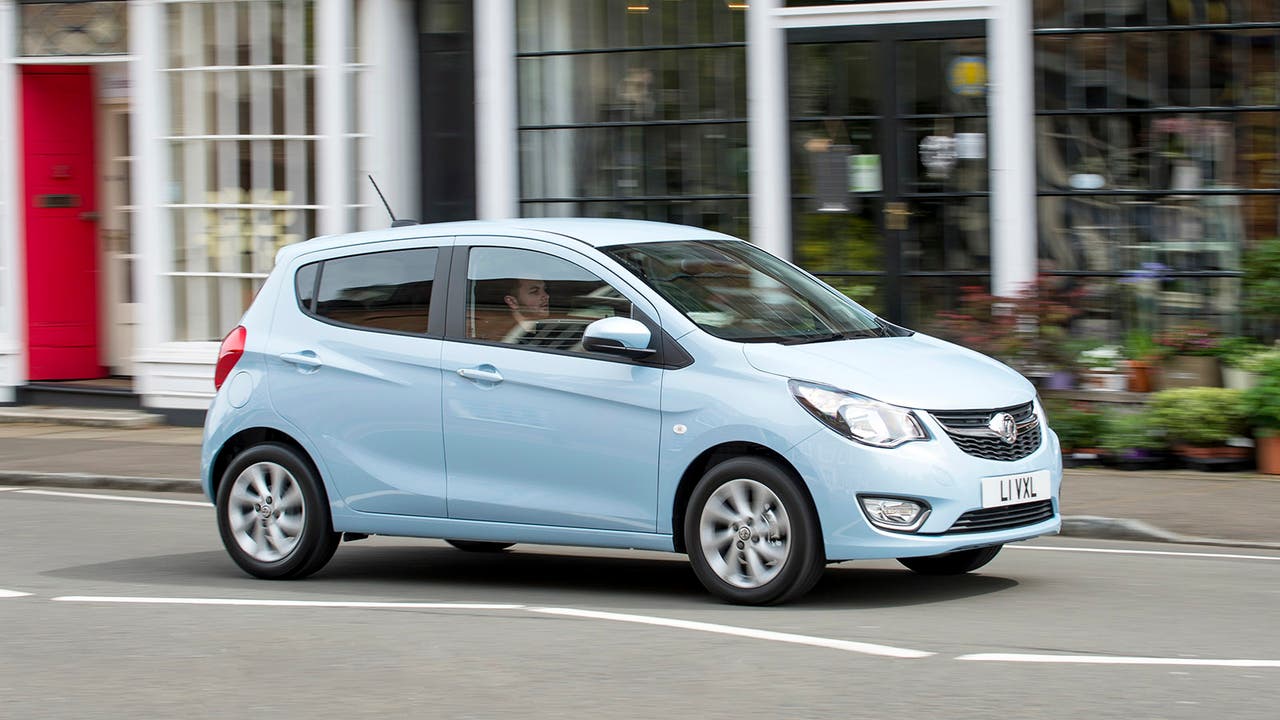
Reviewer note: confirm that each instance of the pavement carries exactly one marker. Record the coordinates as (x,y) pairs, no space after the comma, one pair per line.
(1232,509)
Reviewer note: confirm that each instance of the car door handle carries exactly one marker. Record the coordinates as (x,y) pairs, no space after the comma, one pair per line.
(305,359)
(482,374)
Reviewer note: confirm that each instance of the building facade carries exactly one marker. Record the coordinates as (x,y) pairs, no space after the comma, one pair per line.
(158,152)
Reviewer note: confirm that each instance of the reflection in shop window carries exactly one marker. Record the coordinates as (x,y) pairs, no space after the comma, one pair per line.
(242,151)
(1162,204)
(658,132)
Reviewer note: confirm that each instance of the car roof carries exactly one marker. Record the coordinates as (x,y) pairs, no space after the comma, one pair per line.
(595,232)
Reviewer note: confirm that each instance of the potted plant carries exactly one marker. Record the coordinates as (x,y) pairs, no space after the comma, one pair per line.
(1101,365)
(1191,359)
(1261,265)
(1262,403)
(1079,429)
(1026,331)
(1144,358)
(1235,354)
(1202,423)
(1133,440)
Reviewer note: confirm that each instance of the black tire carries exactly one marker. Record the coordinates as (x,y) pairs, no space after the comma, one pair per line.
(727,573)
(314,542)
(479,546)
(956,563)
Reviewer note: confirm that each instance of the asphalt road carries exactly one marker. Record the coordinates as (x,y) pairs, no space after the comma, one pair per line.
(132,609)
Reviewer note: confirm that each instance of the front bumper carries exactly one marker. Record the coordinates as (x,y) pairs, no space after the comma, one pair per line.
(936,471)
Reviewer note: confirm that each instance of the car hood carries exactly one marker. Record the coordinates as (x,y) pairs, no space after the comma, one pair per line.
(918,371)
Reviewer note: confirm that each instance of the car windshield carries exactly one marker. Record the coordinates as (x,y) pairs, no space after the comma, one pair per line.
(736,291)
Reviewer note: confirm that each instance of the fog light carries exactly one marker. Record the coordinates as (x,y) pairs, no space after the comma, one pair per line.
(895,513)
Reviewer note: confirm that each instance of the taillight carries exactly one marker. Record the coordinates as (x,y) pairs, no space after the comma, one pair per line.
(228,355)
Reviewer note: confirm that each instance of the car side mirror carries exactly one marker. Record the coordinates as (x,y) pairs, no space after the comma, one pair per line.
(618,336)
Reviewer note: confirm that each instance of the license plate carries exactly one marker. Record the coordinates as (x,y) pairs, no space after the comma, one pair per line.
(1014,489)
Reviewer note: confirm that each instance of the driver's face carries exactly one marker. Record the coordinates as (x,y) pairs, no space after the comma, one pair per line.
(530,298)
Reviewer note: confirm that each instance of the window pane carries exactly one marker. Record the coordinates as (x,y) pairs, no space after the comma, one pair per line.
(521,297)
(305,284)
(379,291)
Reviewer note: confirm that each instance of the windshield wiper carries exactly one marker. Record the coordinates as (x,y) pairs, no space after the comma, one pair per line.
(833,336)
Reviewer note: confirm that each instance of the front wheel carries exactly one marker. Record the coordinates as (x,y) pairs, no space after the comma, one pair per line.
(273,515)
(955,563)
(752,534)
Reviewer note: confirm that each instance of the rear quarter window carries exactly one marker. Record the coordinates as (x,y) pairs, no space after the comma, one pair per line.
(388,291)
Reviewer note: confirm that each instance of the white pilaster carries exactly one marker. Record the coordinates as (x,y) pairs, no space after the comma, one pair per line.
(497,191)
(12,357)
(767,136)
(153,236)
(334,175)
(1012,139)
(389,110)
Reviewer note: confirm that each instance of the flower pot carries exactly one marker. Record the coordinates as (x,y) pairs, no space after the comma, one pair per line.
(1060,380)
(1104,379)
(1214,457)
(1181,371)
(1238,379)
(1269,453)
(1141,374)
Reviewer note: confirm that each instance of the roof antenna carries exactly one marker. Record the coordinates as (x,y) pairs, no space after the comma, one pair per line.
(403,222)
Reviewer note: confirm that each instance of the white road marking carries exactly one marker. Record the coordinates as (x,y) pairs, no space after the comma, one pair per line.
(1117,660)
(286,603)
(846,645)
(12,593)
(7,489)
(88,496)
(1273,558)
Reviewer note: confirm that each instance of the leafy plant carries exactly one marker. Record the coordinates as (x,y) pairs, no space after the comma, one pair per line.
(1262,279)
(1078,425)
(1141,345)
(1027,331)
(1200,415)
(1235,351)
(1262,401)
(1258,362)
(1191,339)
(1101,357)
(1132,431)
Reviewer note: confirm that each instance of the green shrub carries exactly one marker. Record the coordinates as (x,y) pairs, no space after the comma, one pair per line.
(1131,431)
(1077,426)
(1200,415)
(1262,279)
(1236,351)
(1262,401)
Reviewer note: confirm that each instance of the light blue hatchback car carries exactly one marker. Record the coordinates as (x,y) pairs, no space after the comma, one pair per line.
(616,384)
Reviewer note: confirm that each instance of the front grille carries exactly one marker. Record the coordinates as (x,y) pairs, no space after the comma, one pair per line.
(1001,518)
(967,429)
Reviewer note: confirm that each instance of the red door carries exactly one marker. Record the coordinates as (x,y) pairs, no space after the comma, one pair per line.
(61,228)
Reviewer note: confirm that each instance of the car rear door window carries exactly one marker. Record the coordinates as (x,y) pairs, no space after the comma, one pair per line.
(388,291)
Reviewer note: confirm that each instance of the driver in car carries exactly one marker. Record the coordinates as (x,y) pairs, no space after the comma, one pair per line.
(507,310)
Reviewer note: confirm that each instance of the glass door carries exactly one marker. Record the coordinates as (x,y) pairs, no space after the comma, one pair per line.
(890,194)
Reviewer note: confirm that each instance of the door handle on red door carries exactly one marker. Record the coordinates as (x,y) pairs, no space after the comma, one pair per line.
(484,373)
(305,359)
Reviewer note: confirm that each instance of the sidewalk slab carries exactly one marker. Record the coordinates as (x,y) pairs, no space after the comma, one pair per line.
(89,417)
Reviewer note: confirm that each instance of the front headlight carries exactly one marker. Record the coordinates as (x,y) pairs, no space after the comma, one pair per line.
(859,418)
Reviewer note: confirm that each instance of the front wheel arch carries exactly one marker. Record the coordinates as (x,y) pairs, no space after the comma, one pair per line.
(715,455)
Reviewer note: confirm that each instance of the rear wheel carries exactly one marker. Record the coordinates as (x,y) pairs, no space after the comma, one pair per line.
(273,515)
(751,533)
(479,545)
(956,563)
